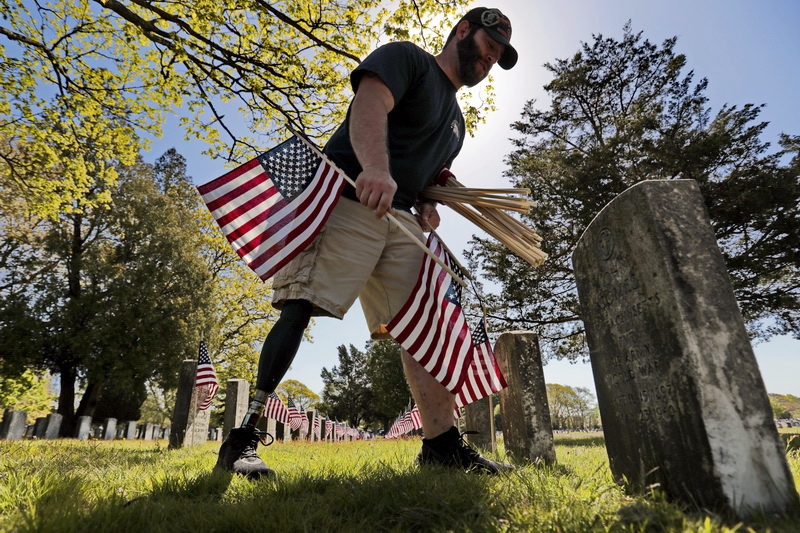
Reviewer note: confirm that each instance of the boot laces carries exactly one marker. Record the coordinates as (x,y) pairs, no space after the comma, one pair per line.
(257,437)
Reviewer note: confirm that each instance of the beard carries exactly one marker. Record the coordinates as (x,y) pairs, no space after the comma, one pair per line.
(468,59)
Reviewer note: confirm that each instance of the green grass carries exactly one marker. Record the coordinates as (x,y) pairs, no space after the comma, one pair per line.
(141,486)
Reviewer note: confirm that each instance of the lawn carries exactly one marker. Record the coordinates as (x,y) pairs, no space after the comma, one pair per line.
(140,486)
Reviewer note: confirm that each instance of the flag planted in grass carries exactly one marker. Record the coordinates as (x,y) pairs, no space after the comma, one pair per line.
(206,378)
(295,416)
(275,409)
(273,206)
(431,325)
(483,375)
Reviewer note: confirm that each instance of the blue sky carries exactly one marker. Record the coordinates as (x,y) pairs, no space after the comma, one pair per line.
(748,51)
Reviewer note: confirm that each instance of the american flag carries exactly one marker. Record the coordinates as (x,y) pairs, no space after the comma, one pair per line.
(206,378)
(431,325)
(275,409)
(273,206)
(328,429)
(317,426)
(483,375)
(295,416)
(416,421)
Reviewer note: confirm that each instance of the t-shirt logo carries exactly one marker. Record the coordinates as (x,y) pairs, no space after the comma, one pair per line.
(454,127)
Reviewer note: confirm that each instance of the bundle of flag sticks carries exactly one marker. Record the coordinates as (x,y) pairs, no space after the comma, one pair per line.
(489,214)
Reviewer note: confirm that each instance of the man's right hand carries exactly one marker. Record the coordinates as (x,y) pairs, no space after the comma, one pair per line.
(375,189)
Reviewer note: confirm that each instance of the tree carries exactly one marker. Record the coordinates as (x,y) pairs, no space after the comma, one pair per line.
(250,66)
(303,397)
(347,394)
(570,408)
(112,296)
(622,112)
(384,369)
(29,393)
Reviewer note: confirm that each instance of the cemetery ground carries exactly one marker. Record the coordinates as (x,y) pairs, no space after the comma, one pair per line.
(69,485)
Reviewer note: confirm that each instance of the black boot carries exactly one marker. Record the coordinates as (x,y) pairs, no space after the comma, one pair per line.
(450,449)
(238,453)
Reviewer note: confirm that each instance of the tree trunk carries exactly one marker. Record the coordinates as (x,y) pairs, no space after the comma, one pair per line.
(90,398)
(66,399)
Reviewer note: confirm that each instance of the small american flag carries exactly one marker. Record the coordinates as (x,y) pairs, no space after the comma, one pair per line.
(328,429)
(295,416)
(273,206)
(275,409)
(206,378)
(431,325)
(416,421)
(317,426)
(483,376)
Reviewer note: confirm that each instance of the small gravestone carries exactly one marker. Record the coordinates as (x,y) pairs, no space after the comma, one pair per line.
(130,430)
(52,426)
(680,394)
(83,428)
(147,432)
(109,429)
(279,428)
(478,418)
(189,425)
(237,396)
(39,427)
(527,431)
(15,423)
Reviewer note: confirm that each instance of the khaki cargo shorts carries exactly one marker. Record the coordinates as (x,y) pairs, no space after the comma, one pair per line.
(355,256)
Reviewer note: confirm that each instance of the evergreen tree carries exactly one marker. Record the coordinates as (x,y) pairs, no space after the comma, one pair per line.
(623,111)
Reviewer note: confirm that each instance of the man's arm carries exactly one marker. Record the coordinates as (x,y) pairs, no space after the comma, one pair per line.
(375,186)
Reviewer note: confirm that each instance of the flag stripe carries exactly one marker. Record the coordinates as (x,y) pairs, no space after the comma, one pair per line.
(431,325)
(273,206)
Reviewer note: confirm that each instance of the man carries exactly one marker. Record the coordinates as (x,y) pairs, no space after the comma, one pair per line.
(403,126)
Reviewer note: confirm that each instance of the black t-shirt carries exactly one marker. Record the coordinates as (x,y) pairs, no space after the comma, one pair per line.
(425,127)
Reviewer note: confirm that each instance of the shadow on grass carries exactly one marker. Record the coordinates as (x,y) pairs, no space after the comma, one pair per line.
(580,441)
(372,498)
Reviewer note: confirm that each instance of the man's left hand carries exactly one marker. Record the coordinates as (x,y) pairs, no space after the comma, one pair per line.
(428,216)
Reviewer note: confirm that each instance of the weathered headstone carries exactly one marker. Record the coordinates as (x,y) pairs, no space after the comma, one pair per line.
(39,427)
(53,426)
(279,428)
(527,431)
(681,397)
(130,430)
(83,427)
(477,418)
(15,424)
(109,428)
(237,396)
(189,425)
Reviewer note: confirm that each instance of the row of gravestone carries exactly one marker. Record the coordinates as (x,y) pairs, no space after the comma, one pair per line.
(788,423)
(191,426)
(681,398)
(14,427)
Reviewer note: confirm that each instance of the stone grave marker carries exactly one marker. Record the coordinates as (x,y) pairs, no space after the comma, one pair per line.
(109,428)
(39,427)
(237,398)
(477,418)
(189,426)
(53,426)
(83,427)
(15,424)
(527,430)
(680,394)
(130,430)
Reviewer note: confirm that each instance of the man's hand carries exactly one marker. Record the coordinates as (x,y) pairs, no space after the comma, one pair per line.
(375,189)
(428,216)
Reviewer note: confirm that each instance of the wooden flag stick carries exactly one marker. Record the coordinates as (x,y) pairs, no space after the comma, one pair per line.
(391,217)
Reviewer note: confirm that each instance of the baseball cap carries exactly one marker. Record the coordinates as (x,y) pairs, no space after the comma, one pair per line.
(498,27)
